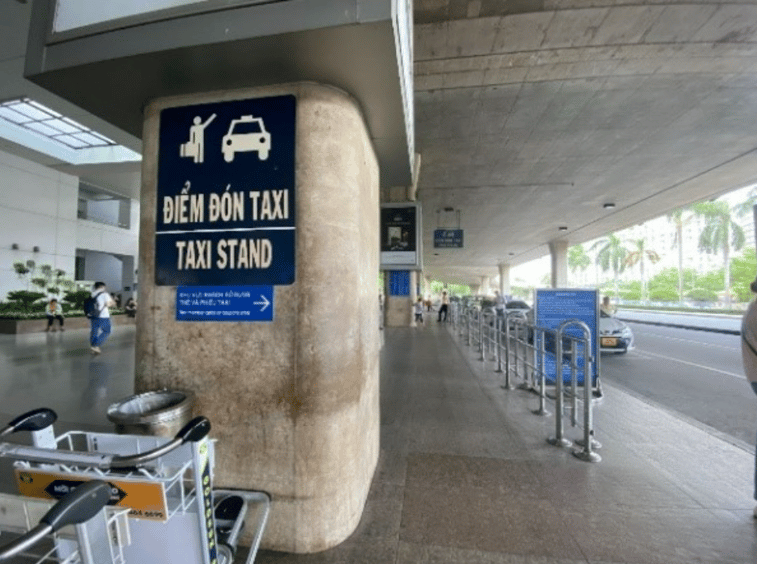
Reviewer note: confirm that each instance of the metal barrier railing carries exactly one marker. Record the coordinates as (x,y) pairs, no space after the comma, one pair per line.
(520,348)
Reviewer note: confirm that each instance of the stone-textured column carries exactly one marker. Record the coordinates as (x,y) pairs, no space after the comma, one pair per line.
(558,251)
(504,279)
(294,402)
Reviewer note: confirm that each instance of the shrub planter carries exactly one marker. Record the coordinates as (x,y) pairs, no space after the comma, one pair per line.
(21,326)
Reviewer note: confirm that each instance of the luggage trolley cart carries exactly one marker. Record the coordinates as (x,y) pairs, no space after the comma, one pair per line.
(76,530)
(165,486)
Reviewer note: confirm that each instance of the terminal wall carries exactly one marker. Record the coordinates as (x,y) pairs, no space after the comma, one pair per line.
(39,209)
(294,402)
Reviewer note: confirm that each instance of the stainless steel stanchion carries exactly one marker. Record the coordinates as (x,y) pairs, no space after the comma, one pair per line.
(507,385)
(468,323)
(481,334)
(542,375)
(588,442)
(559,438)
(521,352)
(573,382)
(498,345)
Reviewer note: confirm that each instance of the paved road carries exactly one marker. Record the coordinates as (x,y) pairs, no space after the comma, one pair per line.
(695,373)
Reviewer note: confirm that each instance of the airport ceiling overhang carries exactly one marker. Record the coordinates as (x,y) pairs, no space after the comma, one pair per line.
(111,58)
(529,116)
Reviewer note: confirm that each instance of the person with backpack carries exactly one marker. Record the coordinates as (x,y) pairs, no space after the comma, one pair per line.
(96,309)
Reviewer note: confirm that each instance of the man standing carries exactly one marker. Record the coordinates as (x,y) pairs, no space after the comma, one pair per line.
(99,316)
(445,307)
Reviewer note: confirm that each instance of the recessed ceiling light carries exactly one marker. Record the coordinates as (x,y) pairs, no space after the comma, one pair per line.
(608,206)
(563,228)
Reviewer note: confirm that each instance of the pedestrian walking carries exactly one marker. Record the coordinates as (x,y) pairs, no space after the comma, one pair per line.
(418,308)
(749,357)
(97,310)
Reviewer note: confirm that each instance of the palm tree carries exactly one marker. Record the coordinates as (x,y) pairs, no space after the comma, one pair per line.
(611,255)
(679,220)
(578,259)
(747,205)
(720,233)
(639,255)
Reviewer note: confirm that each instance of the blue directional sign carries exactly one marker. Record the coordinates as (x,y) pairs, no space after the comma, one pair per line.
(552,307)
(224,303)
(448,238)
(225,195)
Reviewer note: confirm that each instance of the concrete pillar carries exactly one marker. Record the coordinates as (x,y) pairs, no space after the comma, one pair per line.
(504,279)
(558,251)
(293,402)
(399,289)
(485,286)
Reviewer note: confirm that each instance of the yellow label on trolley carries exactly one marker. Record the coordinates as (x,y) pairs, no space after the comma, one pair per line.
(145,499)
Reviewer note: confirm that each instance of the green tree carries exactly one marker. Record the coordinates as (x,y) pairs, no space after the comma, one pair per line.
(639,255)
(25,270)
(631,290)
(743,270)
(611,255)
(712,281)
(679,218)
(670,278)
(578,259)
(720,234)
(663,293)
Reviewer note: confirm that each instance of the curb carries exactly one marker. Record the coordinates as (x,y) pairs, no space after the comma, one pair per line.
(680,326)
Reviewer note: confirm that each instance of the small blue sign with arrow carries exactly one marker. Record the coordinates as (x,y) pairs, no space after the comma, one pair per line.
(224,303)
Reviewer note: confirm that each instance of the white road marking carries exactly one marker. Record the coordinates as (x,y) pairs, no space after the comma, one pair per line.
(739,376)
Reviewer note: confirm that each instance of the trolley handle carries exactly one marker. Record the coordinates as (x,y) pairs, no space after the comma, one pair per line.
(196,430)
(34,420)
(75,507)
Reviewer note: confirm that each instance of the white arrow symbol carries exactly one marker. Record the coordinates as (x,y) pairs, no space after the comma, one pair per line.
(265,303)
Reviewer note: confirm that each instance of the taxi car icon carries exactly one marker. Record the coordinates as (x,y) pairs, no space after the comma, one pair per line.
(246,134)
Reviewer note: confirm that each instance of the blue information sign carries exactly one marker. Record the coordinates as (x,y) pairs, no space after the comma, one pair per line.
(552,307)
(225,195)
(448,238)
(224,303)
(399,282)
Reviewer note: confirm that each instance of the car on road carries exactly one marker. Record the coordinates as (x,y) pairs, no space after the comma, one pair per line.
(614,335)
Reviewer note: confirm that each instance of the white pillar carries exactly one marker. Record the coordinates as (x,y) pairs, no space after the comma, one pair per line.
(504,279)
(559,253)
(485,286)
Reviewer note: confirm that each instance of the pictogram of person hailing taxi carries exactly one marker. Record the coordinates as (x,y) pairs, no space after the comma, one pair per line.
(195,147)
